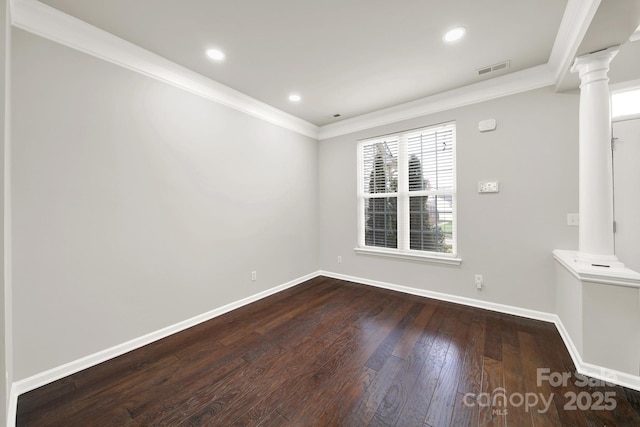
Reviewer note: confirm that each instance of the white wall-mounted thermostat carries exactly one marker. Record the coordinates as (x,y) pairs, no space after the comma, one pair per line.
(487,125)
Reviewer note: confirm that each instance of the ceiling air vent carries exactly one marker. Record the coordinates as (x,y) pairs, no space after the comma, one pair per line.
(494,67)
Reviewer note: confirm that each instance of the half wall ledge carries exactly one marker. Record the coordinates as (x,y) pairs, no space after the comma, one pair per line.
(599,310)
(603,275)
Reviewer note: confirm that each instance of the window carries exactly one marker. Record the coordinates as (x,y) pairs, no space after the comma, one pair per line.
(625,104)
(407,193)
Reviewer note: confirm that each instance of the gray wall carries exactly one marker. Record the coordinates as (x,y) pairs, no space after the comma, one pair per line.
(138,205)
(4,368)
(507,237)
(626,64)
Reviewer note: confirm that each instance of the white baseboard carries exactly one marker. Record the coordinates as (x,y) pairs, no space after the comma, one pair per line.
(12,407)
(46,377)
(501,308)
(609,375)
(568,342)
(599,372)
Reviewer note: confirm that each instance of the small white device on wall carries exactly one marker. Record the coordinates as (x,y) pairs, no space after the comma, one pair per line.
(488,187)
(487,125)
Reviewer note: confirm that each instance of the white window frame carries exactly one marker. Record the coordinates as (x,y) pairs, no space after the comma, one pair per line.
(403,251)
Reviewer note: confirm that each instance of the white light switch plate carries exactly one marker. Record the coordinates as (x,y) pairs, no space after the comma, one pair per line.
(488,187)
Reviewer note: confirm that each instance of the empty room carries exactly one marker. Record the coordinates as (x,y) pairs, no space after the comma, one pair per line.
(320,213)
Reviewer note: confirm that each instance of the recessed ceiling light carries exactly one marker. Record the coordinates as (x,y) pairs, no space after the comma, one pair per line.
(215,54)
(294,97)
(454,34)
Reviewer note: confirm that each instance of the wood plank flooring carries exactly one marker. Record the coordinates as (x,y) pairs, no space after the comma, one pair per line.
(330,352)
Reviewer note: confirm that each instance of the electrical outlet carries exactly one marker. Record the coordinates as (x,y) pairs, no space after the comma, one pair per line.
(479,281)
(573,219)
(254,276)
(339,259)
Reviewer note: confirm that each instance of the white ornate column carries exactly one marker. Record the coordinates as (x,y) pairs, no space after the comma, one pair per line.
(595,244)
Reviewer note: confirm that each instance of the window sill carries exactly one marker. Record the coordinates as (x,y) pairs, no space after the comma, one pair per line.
(409,256)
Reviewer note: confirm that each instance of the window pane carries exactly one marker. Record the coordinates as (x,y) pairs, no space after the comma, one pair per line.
(431,223)
(381,222)
(380,167)
(625,103)
(431,160)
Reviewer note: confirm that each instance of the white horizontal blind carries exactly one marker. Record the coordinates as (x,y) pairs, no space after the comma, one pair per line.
(407,186)
(379,183)
(431,152)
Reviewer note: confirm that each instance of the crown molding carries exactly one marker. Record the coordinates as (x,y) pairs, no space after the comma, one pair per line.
(509,84)
(48,22)
(576,19)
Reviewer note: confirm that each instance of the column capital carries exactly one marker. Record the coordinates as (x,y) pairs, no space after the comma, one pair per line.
(590,63)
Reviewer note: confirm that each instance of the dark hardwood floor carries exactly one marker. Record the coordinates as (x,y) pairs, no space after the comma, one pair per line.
(330,352)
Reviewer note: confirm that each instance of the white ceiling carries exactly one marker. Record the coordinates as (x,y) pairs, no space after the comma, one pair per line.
(372,62)
(343,56)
